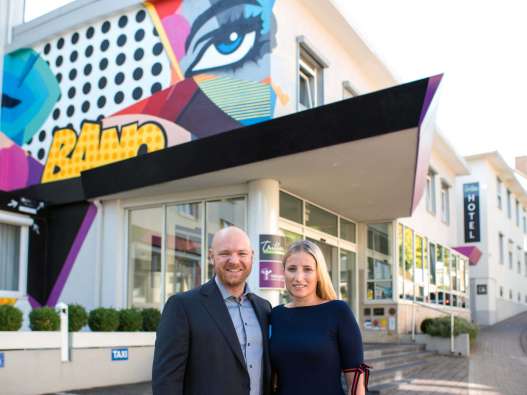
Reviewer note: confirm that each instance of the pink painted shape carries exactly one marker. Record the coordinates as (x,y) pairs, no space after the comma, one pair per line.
(14,168)
(177,29)
(473,253)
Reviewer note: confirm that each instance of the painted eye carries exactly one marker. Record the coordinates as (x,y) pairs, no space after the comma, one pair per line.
(226,50)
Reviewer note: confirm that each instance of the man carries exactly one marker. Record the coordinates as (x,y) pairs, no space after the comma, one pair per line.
(213,340)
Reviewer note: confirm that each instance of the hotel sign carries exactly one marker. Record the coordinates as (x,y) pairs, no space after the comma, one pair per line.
(471,212)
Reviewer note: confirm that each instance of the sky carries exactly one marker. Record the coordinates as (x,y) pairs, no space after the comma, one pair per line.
(479,46)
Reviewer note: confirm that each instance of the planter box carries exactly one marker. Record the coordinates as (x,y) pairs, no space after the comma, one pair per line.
(442,344)
(36,355)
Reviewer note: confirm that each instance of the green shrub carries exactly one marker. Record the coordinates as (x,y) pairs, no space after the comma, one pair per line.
(151,318)
(77,317)
(44,319)
(441,327)
(10,318)
(425,323)
(103,320)
(130,320)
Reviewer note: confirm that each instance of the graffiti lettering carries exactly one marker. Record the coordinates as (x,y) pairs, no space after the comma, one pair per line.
(71,154)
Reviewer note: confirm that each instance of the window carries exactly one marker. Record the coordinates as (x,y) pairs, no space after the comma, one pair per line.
(501,291)
(445,202)
(511,247)
(167,246)
(517,213)
(525,263)
(519,257)
(524,221)
(310,79)
(519,297)
(291,208)
(14,235)
(347,230)
(509,203)
(321,220)
(510,294)
(431,192)
(501,248)
(499,185)
(379,280)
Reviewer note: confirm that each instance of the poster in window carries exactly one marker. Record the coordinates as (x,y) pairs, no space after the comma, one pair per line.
(271,251)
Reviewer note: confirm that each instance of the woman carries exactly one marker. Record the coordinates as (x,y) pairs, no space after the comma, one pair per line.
(314,337)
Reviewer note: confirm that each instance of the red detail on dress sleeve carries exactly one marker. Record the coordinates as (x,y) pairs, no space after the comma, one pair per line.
(363,368)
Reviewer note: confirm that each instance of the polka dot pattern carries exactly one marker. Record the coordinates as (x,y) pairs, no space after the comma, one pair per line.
(101,68)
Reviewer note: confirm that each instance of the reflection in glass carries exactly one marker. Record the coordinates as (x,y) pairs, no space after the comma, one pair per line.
(291,208)
(144,256)
(400,249)
(347,276)
(183,247)
(321,220)
(221,214)
(347,230)
(408,264)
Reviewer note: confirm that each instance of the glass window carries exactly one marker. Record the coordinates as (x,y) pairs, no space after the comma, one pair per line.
(501,291)
(408,264)
(519,257)
(498,191)
(321,220)
(310,81)
(431,192)
(445,203)
(509,211)
(501,248)
(379,274)
(419,273)
(223,213)
(525,263)
(432,263)
(9,257)
(347,230)
(511,258)
(517,213)
(400,249)
(347,276)
(183,247)
(291,208)
(145,234)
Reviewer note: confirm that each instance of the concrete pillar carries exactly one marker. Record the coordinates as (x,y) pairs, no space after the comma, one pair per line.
(263,213)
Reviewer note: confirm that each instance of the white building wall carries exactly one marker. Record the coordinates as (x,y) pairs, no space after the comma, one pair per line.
(492,307)
(347,57)
(431,225)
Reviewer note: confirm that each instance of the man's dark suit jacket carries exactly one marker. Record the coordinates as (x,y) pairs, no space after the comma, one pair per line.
(197,350)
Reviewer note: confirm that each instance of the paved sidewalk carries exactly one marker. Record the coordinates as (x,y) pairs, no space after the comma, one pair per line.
(497,366)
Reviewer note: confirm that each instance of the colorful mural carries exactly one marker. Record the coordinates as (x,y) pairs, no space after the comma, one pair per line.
(165,73)
(134,83)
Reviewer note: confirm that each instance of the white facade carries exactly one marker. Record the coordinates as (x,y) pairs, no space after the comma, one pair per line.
(503,264)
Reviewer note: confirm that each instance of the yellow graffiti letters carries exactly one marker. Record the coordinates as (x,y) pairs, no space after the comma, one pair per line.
(70,154)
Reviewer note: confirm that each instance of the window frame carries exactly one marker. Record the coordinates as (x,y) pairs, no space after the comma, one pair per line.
(499,187)
(311,60)
(445,202)
(23,222)
(431,191)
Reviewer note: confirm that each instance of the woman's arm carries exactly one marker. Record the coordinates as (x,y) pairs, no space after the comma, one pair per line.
(359,388)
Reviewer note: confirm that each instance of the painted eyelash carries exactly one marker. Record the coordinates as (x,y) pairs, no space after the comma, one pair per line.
(238,24)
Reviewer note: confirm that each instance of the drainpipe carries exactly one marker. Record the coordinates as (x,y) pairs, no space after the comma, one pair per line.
(98,252)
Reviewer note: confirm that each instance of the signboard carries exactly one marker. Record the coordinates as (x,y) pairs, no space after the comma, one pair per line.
(481,289)
(271,249)
(119,354)
(2,359)
(471,211)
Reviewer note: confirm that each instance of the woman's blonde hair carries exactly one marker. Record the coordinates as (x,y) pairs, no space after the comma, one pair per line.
(325,288)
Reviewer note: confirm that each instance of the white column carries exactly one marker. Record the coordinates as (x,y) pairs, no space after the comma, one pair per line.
(263,206)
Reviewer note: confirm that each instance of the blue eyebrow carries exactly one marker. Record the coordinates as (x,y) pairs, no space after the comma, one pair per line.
(213,11)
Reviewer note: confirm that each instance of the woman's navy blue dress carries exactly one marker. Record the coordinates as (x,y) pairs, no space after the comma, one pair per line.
(312,345)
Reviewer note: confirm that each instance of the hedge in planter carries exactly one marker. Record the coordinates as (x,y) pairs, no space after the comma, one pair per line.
(151,318)
(44,319)
(103,320)
(10,318)
(130,320)
(77,317)
(441,327)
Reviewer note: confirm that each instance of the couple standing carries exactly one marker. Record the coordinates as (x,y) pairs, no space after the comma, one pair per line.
(222,339)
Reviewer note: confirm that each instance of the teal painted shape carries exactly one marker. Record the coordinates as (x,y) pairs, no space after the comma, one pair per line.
(30,90)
